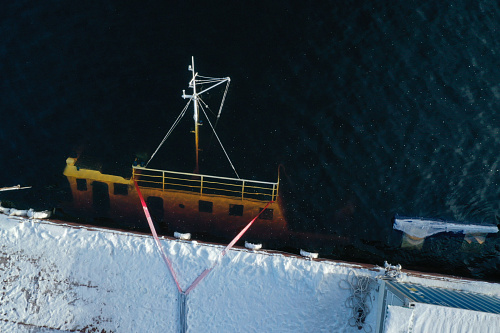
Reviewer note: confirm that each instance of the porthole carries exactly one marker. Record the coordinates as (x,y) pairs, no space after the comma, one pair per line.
(236,210)
(205,206)
(81,184)
(267,214)
(120,189)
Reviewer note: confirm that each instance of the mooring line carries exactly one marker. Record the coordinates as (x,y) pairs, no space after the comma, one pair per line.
(184,294)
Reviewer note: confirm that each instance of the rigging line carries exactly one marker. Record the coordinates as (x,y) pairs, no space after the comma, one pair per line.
(200,78)
(213,86)
(170,130)
(213,129)
(220,110)
(205,105)
(208,77)
(211,78)
(222,103)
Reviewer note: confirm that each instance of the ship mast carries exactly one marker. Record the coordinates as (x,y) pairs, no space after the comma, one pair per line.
(202,81)
(195,98)
(196,115)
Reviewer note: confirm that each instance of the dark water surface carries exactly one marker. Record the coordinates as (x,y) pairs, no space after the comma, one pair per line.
(374,110)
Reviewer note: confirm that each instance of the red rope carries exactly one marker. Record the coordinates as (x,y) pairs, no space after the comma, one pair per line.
(230,245)
(155,236)
(223,253)
(164,255)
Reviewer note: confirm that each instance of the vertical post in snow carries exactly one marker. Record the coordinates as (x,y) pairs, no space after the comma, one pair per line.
(182,312)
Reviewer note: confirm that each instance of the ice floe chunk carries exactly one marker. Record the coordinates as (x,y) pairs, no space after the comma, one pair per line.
(421,228)
(253,246)
(4,210)
(31,213)
(18,212)
(310,255)
(44,214)
(181,236)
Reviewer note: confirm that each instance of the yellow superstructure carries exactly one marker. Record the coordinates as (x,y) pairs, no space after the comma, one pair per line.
(179,201)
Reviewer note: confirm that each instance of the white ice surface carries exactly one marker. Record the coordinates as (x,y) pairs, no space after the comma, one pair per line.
(424,318)
(58,278)
(397,319)
(61,278)
(422,228)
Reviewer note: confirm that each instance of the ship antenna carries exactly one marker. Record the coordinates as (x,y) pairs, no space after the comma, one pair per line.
(196,114)
(195,97)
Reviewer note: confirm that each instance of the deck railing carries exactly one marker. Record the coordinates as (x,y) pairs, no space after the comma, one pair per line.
(205,184)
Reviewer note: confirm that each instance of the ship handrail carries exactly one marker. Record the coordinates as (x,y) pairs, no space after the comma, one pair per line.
(198,180)
(202,175)
(207,188)
(234,187)
(205,181)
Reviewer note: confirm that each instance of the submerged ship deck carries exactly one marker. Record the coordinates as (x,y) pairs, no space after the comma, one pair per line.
(179,201)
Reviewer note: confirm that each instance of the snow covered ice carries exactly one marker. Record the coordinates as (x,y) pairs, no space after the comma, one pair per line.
(433,318)
(422,228)
(66,278)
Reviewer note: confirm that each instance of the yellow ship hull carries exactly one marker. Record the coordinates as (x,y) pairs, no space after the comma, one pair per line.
(113,197)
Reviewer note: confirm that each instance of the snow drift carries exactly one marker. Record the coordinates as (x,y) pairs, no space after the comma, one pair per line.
(67,278)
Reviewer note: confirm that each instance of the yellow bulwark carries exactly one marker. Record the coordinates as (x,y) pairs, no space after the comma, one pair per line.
(183,202)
